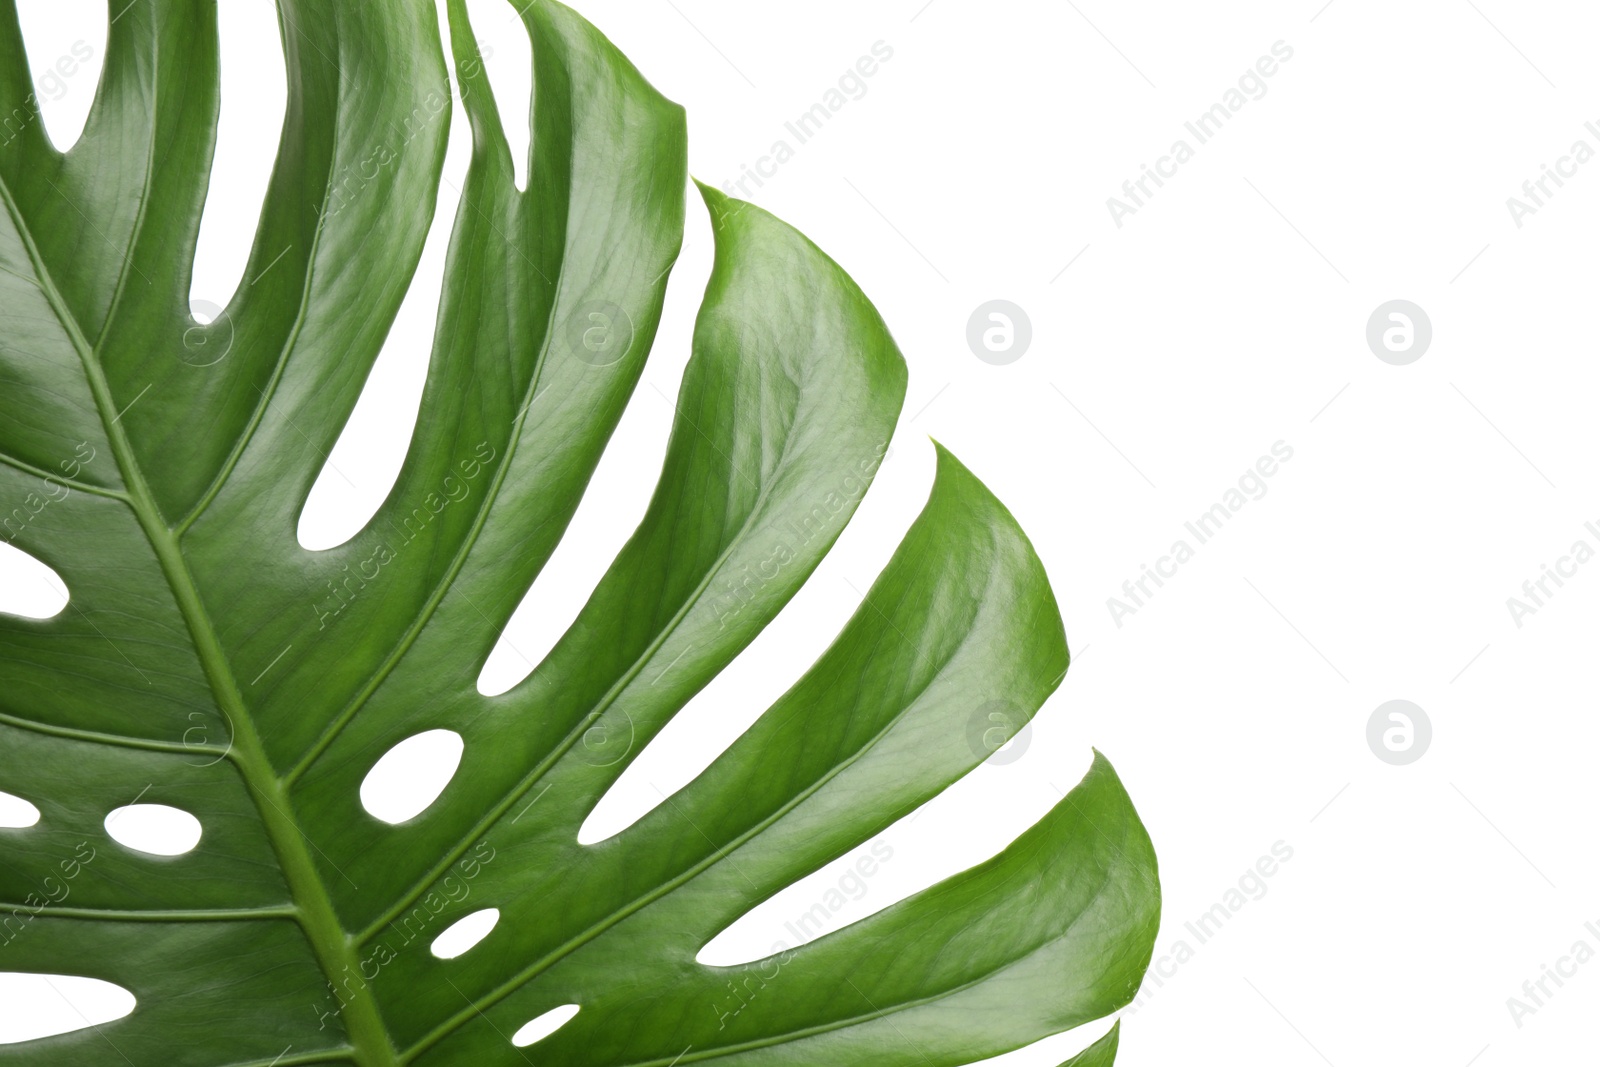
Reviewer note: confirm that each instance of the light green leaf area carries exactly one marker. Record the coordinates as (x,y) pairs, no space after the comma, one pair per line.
(209,663)
(1102,1053)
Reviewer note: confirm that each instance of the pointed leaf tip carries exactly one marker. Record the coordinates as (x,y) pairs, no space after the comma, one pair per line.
(1102,1053)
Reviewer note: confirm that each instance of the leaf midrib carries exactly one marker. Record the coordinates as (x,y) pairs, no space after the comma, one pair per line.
(314,910)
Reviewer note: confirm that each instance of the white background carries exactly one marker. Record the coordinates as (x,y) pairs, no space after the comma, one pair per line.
(1228,314)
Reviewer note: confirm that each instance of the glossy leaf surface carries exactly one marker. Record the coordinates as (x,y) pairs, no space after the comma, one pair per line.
(208,663)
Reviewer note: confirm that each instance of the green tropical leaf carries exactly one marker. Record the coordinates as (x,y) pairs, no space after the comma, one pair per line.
(1102,1053)
(209,663)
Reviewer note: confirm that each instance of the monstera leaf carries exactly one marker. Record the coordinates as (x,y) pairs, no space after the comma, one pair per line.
(208,663)
(1102,1053)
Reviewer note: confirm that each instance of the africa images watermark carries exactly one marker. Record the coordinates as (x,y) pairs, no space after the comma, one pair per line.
(1251,886)
(1208,524)
(1536,592)
(52,83)
(348,184)
(1252,85)
(19,518)
(456,487)
(53,892)
(806,927)
(742,588)
(1536,192)
(852,85)
(1537,992)
(454,888)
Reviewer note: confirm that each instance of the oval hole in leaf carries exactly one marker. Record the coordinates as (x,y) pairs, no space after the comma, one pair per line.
(44,1005)
(16,813)
(154,828)
(465,934)
(545,1025)
(411,775)
(29,588)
